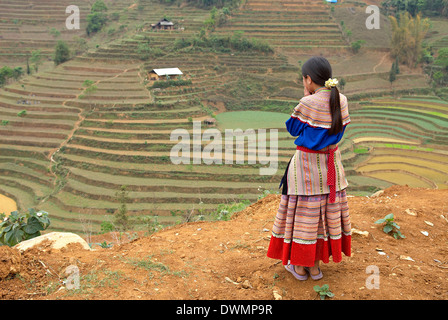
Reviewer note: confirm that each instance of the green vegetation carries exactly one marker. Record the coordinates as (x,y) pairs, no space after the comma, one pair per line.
(114,131)
(428,7)
(62,52)
(18,227)
(390,226)
(356,45)
(97,18)
(36,59)
(439,69)
(7,73)
(225,211)
(224,43)
(171,83)
(407,38)
(145,51)
(323,291)
(121,222)
(251,120)
(207,3)
(21,113)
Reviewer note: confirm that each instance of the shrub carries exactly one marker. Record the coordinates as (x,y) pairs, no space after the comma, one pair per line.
(107,226)
(122,222)
(145,51)
(171,83)
(224,43)
(98,6)
(87,83)
(62,53)
(356,45)
(18,227)
(95,22)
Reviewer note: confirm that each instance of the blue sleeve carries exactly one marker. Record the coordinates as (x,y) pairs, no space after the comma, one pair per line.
(294,126)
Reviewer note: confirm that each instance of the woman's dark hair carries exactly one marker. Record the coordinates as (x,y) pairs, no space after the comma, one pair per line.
(319,69)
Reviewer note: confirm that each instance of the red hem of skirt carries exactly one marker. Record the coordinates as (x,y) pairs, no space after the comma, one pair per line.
(306,254)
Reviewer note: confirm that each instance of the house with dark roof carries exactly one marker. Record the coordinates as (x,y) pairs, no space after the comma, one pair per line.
(163,24)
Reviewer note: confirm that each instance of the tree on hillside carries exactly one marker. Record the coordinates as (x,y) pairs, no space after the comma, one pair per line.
(342,83)
(95,22)
(62,53)
(393,73)
(121,218)
(36,59)
(356,45)
(5,73)
(407,38)
(98,6)
(97,18)
(441,65)
(208,3)
(17,72)
(414,7)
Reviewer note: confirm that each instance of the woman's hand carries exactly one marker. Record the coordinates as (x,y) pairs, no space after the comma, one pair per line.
(306,92)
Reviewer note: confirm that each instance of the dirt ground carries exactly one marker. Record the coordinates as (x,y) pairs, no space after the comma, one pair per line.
(226,260)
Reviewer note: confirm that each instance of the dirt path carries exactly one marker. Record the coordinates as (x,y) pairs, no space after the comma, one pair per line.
(81,118)
(381,62)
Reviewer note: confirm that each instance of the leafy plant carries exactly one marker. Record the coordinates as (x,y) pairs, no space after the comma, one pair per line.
(105,245)
(21,113)
(323,291)
(62,52)
(391,226)
(88,83)
(18,227)
(107,226)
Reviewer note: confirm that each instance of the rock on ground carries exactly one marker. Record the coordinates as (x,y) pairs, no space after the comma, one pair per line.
(58,240)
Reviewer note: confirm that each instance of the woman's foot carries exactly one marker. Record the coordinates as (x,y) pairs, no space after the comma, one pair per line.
(300,270)
(315,272)
(293,271)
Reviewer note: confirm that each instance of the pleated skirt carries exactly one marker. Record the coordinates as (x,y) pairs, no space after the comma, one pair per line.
(310,228)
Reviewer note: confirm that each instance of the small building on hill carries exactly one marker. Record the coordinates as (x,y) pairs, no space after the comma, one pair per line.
(163,24)
(210,121)
(163,74)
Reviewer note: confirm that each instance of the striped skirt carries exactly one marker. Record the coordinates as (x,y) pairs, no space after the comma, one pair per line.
(308,228)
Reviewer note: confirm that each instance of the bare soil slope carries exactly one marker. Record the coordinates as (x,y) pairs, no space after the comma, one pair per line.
(227,259)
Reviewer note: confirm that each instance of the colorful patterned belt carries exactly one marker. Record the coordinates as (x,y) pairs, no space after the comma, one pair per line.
(331,170)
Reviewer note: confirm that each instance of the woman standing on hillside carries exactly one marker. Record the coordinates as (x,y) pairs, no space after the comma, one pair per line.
(312,222)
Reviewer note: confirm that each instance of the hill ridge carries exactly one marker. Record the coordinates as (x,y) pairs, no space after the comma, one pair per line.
(226,260)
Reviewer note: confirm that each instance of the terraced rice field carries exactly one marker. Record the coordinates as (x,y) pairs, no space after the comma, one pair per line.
(288,24)
(25,26)
(407,141)
(74,147)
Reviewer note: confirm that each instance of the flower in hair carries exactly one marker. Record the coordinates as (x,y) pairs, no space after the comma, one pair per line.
(330,83)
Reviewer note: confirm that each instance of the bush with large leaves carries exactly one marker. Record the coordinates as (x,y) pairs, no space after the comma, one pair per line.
(18,227)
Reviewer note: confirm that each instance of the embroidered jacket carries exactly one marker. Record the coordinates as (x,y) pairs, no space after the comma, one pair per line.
(308,172)
(311,120)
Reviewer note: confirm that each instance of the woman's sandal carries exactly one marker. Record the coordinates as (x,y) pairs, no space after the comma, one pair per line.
(300,277)
(317,276)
